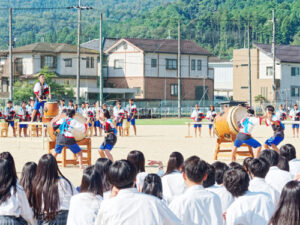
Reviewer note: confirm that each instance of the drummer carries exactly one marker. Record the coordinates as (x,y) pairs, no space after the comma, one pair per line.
(97,125)
(197,116)
(9,115)
(210,116)
(24,117)
(90,116)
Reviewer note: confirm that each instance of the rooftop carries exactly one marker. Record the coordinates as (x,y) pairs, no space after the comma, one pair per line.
(94,44)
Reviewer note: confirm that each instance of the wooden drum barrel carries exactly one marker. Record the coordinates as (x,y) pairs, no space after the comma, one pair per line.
(226,123)
(51,109)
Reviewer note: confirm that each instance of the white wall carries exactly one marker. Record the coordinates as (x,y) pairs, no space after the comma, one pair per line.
(223,75)
(288,81)
(267,61)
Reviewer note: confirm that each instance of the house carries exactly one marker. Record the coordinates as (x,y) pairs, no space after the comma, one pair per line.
(223,76)
(287,78)
(29,60)
(150,67)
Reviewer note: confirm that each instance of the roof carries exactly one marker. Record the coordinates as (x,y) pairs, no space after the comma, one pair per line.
(42,47)
(166,46)
(215,59)
(284,53)
(94,44)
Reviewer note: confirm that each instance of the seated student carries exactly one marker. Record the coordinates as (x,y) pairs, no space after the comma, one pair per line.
(196,205)
(10,158)
(172,181)
(283,164)
(276,177)
(14,206)
(246,163)
(249,208)
(258,169)
(235,165)
(138,160)
(84,206)
(52,193)
(152,185)
(289,152)
(27,176)
(102,165)
(287,211)
(130,206)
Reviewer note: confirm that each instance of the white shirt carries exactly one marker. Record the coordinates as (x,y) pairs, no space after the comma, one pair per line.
(259,185)
(294,166)
(197,206)
(65,194)
(225,196)
(293,114)
(131,207)
(73,125)
(140,178)
(248,123)
(84,208)
(61,108)
(210,115)
(250,209)
(279,114)
(278,178)
(17,205)
(38,88)
(173,185)
(195,115)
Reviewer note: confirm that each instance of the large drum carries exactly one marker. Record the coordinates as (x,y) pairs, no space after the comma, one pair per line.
(226,123)
(51,109)
(78,135)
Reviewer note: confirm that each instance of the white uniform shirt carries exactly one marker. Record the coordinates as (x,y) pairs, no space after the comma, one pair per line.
(22,113)
(61,108)
(118,112)
(17,205)
(197,206)
(65,194)
(7,111)
(195,114)
(210,115)
(248,123)
(259,185)
(278,178)
(173,185)
(38,88)
(129,108)
(73,124)
(279,112)
(131,207)
(84,208)
(293,114)
(250,209)
(140,178)
(29,109)
(294,166)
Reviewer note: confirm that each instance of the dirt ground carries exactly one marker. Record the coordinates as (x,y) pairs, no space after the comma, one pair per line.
(155,141)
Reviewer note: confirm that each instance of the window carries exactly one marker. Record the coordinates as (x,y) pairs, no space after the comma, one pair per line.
(90,62)
(193,64)
(244,87)
(48,61)
(68,62)
(19,65)
(171,64)
(295,71)
(295,91)
(153,62)
(138,90)
(199,65)
(264,92)
(174,90)
(119,64)
(269,71)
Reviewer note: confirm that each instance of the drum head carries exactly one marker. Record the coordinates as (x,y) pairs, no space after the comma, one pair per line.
(237,114)
(80,118)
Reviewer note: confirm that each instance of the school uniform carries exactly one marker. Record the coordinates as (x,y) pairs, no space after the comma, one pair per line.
(41,91)
(70,107)
(140,178)
(89,112)
(97,122)
(84,208)
(278,135)
(210,116)
(197,206)
(294,115)
(16,210)
(110,139)
(197,116)
(118,116)
(131,207)
(281,114)
(9,116)
(131,113)
(250,209)
(29,109)
(278,178)
(23,114)
(173,185)
(260,185)
(294,166)
(62,108)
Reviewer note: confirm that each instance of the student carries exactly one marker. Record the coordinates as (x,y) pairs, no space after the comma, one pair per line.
(138,160)
(295,116)
(210,116)
(288,209)
(152,185)
(14,206)
(249,208)
(276,177)
(245,134)
(89,112)
(235,165)
(131,110)
(24,116)
(283,164)
(9,157)
(84,206)
(9,116)
(246,163)
(258,169)
(102,165)
(97,124)
(110,134)
(281,113)
(65,137)
(130,206)
(62,105)
(118,117)
(196,205)
(70,104)
(289,152)
(172,181)
(52,192)
(197,116)
(27,176)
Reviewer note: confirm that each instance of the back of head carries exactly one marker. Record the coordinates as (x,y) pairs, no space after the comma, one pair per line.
(195,169)
(10,158)
(152,185)
(137,159)
(91,181)
(106,113)
(121,174)
(220,169)
(270,108)
(288,151)
(7,180)
(251,112)
(210,180)
(71,113)
(235,165)
(236,181)
(102,165)
(283,164)
(175,162)
(271,156)
(27,177)
(259,167)
(246,163)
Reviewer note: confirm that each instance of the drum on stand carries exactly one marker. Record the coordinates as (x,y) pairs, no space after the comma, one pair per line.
(51,109)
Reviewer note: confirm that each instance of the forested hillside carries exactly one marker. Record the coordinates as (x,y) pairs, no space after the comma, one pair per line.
(218,25)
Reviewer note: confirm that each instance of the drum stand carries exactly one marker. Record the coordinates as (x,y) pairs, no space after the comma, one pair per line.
(224,149)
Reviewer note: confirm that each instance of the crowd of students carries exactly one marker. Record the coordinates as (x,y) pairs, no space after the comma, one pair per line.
(264,190)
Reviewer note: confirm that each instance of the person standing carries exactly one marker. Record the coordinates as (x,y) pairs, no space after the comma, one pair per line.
(295,116)
(281,113)
(62,106)
(210,116)
(9,115)
(131,114)
(24,117)
(118,117)
(197,116)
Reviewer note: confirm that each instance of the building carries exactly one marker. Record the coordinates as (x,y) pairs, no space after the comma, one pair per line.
(223,76)
(287,73)
(29,60)
(150,67)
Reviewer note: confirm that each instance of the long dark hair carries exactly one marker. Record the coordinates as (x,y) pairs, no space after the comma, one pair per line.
(152,185)
(7,180)
(102,165)
(27,176)
(91,181)
(175,162)
(45,188)
(10,158)
(288,208)
(137,159)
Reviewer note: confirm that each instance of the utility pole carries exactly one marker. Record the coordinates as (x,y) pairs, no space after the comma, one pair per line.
(274,60)
(10,57)
(101,62)
(179,71)
(78,54)
(249,67)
